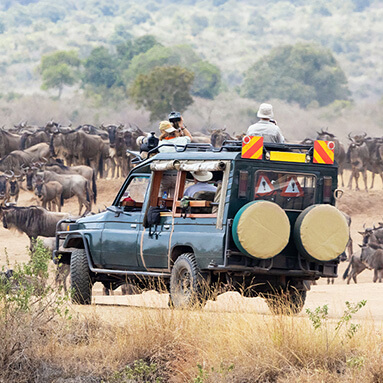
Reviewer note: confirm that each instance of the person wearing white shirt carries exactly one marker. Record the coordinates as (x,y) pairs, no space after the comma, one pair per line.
(265,127)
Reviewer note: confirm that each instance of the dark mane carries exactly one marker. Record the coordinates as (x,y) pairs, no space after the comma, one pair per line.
(57,163)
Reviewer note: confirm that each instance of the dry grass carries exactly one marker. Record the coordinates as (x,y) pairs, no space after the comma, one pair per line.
(193,346)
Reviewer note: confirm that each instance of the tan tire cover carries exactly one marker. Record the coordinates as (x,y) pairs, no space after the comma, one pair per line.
(261,229)
(321,232)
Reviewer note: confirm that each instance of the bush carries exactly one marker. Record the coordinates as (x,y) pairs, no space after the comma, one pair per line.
(27,305)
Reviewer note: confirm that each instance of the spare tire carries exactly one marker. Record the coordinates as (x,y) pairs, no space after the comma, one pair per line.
(321,233)
(261,229)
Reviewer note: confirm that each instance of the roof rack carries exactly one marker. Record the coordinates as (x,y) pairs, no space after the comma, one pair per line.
(232,146)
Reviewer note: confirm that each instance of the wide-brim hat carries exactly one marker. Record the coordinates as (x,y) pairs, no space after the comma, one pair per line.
(202,175)
(166,126)
(265,111)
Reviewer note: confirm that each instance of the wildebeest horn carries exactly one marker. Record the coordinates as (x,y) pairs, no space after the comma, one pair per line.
(361,232)
(350,138)
(364,134)
(7,175)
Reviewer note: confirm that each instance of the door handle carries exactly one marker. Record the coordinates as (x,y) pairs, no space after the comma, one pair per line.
(133,225)
(166,226)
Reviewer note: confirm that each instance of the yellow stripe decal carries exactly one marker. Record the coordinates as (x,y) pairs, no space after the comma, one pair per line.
(287,157)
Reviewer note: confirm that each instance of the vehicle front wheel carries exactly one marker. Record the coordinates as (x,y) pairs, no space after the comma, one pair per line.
(186,283)
(287,302)
(81,280)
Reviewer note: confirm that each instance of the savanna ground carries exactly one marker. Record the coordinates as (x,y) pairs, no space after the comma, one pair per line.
(234,339)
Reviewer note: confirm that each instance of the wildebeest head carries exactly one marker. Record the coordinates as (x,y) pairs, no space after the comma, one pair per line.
(112,131)
(29,172)
(39,183)
(324,135)
(218,136)
(4,186)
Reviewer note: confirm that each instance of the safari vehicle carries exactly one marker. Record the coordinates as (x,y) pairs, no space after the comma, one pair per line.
(269,229)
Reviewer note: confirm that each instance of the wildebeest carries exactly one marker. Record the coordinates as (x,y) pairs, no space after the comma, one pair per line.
(358,156)
(86,171)
(34,221)
(355,267)
(73,185)
(4,189)
(14,186)
(50,193)
(15,160)
(372,257)
(339,151)
(218,136)
(24,158)
(8,142)
(29,139)
(375,163)
(200,138)
(79,148)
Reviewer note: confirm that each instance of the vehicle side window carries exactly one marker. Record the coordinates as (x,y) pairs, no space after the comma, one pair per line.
(204,196)
(163,188)
(134,194)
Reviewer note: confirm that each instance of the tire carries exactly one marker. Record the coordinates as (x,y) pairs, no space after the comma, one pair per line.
(288,302)
(186,283)
(81,281)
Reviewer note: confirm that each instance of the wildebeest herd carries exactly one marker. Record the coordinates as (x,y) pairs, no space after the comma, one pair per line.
(58,162)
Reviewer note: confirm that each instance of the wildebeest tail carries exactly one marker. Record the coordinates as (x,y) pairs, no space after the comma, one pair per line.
(87,191)
(94,187)
(101,166)
(345,274)
(62,199)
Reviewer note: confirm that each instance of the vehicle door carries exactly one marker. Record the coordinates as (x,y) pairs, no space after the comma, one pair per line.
(196,228)
(122,224)
(155,240)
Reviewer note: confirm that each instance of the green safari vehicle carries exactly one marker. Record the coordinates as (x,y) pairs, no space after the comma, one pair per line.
(268,229)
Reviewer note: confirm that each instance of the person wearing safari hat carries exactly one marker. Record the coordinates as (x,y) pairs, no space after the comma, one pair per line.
(170,135)
(201,179)
(266,126)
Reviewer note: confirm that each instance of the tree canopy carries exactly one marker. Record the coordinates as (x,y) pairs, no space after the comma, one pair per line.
(100,69)
(162,90)
(300,73)
(59,69)
(207,77)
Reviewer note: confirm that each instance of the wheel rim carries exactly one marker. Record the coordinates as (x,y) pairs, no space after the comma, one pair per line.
(184,285)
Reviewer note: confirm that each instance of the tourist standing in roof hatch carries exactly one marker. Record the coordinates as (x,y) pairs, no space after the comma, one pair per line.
(266,126)
(170,135)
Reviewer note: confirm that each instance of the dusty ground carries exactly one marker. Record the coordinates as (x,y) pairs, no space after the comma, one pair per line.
(364,208)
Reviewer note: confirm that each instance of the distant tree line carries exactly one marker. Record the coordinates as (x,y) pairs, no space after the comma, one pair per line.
(162,78)
(136,69)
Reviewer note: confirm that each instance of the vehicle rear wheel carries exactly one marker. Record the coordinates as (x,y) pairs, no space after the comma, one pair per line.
(288,302)
(81,280)
(186,283)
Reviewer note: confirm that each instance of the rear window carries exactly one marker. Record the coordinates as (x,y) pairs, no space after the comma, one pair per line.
(291,191)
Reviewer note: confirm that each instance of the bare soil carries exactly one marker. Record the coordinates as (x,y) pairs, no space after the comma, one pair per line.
(365,208)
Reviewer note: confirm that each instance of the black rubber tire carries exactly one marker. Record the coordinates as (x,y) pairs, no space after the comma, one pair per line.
(287,302)
(186,283)
(81,281)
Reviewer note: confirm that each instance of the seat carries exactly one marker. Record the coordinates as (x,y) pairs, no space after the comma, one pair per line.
(204,195)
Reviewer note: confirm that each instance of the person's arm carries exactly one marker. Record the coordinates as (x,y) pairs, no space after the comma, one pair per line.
(187,133)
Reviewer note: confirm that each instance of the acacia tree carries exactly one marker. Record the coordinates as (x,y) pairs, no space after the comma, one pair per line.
(59,69)
(299,73)
(162,90)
